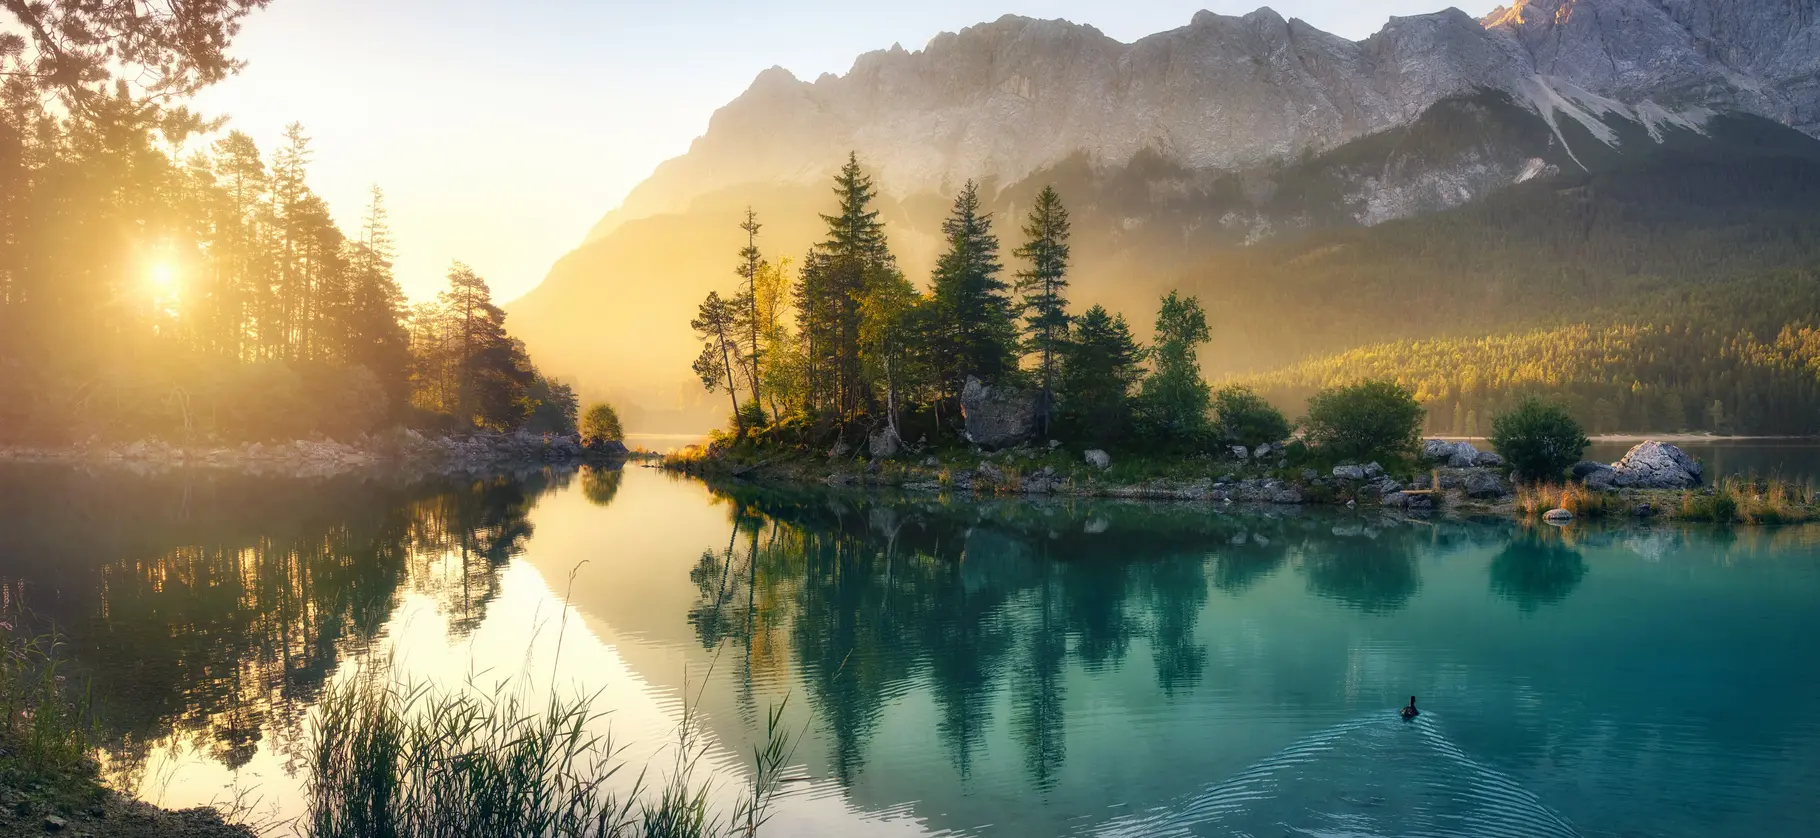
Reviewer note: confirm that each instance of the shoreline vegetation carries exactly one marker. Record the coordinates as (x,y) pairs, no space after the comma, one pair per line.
(1440,489)
(386,758)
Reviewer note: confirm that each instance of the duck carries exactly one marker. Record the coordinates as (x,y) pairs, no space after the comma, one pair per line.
(1410,712)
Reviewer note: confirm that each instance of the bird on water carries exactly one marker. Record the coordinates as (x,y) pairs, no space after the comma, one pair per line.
(1411,712)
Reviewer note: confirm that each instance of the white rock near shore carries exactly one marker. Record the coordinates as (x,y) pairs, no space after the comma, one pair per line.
(1656,465)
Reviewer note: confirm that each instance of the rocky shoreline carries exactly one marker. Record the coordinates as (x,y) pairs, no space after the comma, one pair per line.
(1450,476)
(397,451)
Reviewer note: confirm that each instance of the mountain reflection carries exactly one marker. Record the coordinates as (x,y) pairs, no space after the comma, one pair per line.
(965,602)
(213,608)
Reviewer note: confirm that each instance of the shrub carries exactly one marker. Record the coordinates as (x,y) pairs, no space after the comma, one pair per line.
(1539,440)
(601,423)
(1370,420)
(1247,419)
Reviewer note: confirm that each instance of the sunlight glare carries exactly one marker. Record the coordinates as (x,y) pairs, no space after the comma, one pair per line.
(163,277)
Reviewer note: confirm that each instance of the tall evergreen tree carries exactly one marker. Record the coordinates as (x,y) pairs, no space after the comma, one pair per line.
(977,330)
(751,267)
(376,338)
(1099,366)
(832,289)
(1043,286)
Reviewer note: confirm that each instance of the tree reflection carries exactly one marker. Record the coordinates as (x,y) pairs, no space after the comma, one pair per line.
(1536,568)
(600,483)
(876,599)
(215,607)
(1374,575)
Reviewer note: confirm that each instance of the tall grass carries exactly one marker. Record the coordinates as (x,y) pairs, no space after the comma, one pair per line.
(1534,499)
(391,761)
(1750,500)
(45,721)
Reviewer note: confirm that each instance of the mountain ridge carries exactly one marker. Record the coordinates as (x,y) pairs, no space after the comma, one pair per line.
(1431,113)
(1005,98)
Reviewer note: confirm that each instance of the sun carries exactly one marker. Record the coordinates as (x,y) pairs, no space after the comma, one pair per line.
(163,277)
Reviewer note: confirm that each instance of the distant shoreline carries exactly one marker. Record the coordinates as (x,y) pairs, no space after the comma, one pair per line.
(1672,438)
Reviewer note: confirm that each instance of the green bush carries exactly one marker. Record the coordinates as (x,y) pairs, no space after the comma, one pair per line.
(1370,420)
(1247,419)
(601,422)
(1539,440)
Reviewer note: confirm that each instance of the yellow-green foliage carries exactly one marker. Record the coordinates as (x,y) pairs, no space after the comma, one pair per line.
(1620,376)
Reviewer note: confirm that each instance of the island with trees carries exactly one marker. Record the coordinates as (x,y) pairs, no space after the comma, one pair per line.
(845,372)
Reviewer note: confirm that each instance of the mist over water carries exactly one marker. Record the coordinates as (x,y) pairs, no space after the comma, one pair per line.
(995,668)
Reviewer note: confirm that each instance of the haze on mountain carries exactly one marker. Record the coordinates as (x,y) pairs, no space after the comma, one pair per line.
(1234,157)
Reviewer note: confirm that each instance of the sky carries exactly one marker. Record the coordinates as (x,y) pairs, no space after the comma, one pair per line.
(501,130)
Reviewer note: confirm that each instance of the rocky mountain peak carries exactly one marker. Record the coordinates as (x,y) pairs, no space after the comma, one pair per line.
(1001,100)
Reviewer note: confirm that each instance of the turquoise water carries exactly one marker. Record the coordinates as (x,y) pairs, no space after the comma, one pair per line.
(964,669)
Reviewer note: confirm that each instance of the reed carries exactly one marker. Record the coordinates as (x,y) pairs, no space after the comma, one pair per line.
(393,761)
(46,723)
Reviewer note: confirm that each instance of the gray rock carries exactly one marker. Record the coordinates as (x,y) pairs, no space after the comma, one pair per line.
(988,471)
(1485,485)
(1488,459)
(1098,459)
(1349,472)
(932,462)
(884,443)
(1240,452)
(52,823)
(1556,516)
(997,416)
(1656,465)
(1262,451)
(1438,450)
(1465,455)
(1598,477)
(1372,470)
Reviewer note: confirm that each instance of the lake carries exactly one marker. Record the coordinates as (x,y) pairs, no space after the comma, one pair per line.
(959,668)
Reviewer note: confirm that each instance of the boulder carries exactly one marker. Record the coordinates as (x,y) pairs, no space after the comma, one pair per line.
(1349,472)
(1456,454)
(1485,485)
(1656,465)
(1262,451)
(988,471)
(997,416)
(612,448)
(1373,470)
(1098,459)
(1487,459)
(1557,516)
(884,444)
(1240,452)
(1408,500)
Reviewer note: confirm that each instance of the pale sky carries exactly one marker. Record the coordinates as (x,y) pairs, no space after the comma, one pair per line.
(501,130)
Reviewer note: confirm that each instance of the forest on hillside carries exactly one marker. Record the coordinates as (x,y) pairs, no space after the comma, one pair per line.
(159,277)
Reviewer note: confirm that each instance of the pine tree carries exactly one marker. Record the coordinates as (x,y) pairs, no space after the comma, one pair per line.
(491,372)
(977,332)
(832,289)
(1043,286)
(1098,368)
(717,324)
(751,266)
(376,338)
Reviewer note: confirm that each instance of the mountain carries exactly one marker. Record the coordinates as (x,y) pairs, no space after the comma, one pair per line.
(1227,132)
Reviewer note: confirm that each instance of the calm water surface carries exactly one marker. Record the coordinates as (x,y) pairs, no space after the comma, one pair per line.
(963,669)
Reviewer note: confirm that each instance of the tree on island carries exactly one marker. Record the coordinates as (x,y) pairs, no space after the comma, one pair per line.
(975,328)
(1043,286)
(1538,439)
(1174,398)
(1099,367)
(716,323)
